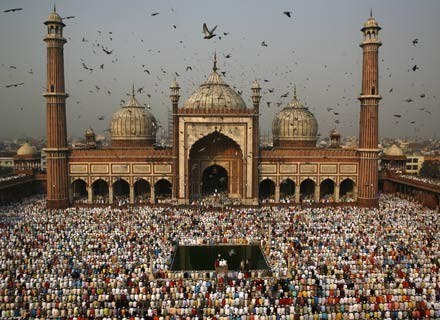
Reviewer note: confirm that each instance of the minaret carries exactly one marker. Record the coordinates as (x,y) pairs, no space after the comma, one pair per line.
(368,126)
(174,96)
(256,97)
(56,132)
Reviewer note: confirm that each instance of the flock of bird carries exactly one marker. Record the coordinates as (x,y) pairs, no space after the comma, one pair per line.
(103,44)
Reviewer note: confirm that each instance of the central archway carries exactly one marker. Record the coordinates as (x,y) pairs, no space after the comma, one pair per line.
(214,180)
(215,163)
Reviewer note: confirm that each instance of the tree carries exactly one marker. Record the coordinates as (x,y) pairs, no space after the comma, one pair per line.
(430,169)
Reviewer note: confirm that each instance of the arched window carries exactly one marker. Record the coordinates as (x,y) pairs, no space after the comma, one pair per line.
(121,191)
(327,190)
(142,191)
(100,191)
(267,190)
(287,190)
(307,190)
(163,191)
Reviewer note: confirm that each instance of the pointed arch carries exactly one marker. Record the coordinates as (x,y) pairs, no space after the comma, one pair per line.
(162,190)
(267,190)
(79,191)
(209,146)
(142,191)
(346,190)
(220,153)
(121,189)
(327,190)
(100,191)
(287,189)
(307,189)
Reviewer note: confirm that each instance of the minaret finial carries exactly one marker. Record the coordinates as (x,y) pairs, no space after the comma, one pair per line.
(214,68)
(54,7)
(132,90)
(294,92)
(371,13)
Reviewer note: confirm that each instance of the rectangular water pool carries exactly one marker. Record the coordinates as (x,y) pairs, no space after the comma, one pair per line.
(202,257)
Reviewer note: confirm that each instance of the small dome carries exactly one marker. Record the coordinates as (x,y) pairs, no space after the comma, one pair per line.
(174,85)
(334,133)
(54,17)
(89,132)
(371,23)
(26,150)
(215,94)
(294,126)
(133,126)
(394,151)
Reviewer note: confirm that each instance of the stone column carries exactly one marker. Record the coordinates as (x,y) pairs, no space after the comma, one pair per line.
(131,194)
(110,194)
(277,191)
(317,192)
(355,192)
(152,195)
(297,193)
(71,193)
(336,195)
(89,195)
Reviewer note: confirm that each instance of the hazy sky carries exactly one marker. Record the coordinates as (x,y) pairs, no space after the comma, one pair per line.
(318,49)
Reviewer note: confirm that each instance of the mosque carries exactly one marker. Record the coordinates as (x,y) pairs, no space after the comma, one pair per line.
(215,145)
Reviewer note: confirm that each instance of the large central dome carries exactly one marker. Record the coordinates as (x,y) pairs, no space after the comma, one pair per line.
(215,94)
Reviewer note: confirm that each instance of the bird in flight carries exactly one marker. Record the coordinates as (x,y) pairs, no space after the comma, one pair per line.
(288,13)
(101,118)
(69,17)
(415,67)
(208,33)
(13,10)
(415,41)
(107,51)
(154,14)
(14,85)
(264,44)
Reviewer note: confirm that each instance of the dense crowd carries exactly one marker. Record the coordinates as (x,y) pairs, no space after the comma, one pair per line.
(12,177)
(326,263)
(421,179)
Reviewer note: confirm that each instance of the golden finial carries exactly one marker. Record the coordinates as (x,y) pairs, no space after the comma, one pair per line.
(214,68)
(371,13)
(294,92)
(132,90)
(54,7)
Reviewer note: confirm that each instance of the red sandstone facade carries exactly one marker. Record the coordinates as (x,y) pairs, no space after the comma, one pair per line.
(210,139)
